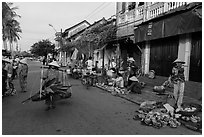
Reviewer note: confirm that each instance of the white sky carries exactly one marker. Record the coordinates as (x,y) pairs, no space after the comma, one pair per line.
(35,17)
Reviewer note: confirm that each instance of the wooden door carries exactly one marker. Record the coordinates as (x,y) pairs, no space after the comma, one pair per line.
(195,73)
(162,53)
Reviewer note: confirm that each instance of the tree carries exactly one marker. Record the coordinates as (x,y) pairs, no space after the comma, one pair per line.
(10,26)
(42,48)
(95,37)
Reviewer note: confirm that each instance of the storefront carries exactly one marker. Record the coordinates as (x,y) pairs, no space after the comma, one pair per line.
(195,73)
(162,53)
(171,36)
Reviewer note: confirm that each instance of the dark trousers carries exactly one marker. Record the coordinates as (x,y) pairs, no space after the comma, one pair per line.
(135,87)
(14,73)
(50,100)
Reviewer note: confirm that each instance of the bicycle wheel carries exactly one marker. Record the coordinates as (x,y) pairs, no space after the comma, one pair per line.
(88,82)
(83,81)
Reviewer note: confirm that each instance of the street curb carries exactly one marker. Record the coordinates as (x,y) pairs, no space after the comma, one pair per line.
(129,99)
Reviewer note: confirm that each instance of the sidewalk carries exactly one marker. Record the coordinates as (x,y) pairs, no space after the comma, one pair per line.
(193,91)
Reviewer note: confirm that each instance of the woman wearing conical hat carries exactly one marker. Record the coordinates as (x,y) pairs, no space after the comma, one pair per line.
(23,74)
(52,73)
(178,80)
(135,86)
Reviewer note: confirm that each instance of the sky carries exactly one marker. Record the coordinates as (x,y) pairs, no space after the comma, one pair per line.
(36,17)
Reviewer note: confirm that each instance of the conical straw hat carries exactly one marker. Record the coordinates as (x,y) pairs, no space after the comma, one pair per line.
(133,78)
(131,59)
(179,61)
(23,61)
(54,63)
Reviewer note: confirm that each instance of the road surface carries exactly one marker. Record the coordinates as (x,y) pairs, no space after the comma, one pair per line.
(87,112)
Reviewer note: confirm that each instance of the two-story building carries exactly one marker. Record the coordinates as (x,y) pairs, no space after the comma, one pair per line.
(107,52)
(156,34)
(70,35)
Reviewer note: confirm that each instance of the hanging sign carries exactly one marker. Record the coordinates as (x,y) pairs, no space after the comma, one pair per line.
(149,30)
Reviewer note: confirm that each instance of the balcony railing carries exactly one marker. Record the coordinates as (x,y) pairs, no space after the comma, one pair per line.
(155,10)
(174,5)
(131,16)
(147,12)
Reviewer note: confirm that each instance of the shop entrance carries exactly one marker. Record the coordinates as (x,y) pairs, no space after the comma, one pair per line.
(162,53)
(195,73)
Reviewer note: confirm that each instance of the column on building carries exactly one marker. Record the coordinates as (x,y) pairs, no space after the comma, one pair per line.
(146,57)
(184,52)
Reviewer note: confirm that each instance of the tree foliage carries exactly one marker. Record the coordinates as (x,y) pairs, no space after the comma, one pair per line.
(42,48)
(95,37)
(10,26)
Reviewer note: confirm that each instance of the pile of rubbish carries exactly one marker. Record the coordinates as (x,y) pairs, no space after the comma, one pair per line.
(159,114)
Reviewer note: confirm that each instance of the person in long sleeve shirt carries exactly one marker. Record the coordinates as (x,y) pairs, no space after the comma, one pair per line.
(51,73)
(23,74)
(178,80)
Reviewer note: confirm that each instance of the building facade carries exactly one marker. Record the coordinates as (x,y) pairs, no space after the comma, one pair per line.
(161,32)
(69,35)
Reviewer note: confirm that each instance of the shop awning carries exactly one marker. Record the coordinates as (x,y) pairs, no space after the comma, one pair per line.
(179,22)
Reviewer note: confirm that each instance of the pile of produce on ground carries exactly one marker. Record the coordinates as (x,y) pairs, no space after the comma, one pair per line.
(159,114)
(113,90)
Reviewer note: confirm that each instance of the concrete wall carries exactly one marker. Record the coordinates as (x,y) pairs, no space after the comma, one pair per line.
(146,57)
(184,52)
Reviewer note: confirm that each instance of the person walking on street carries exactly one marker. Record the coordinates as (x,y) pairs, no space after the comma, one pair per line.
(178,80)
(89,64)
(15,67)
(23,74)
(51,73)
(17,60)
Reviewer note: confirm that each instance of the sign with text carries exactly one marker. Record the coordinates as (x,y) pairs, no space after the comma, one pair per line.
(149,30)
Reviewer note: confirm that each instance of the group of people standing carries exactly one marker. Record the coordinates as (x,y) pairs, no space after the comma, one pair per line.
(11,69)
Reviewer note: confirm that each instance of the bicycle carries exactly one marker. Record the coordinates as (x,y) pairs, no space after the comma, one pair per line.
(89,80)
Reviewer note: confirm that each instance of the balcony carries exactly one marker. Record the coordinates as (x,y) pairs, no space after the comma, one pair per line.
(131,16)
(147,12)
(158,8)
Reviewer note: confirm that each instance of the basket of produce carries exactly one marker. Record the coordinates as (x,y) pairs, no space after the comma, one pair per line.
(193,122)
(159,89)
(189,109)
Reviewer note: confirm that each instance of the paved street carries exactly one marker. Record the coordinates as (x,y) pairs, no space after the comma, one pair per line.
(87,112)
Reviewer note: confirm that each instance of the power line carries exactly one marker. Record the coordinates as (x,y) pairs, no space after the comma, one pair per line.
(95,9)
(102,8)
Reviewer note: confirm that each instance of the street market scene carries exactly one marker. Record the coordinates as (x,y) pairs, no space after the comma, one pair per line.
(110,68)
